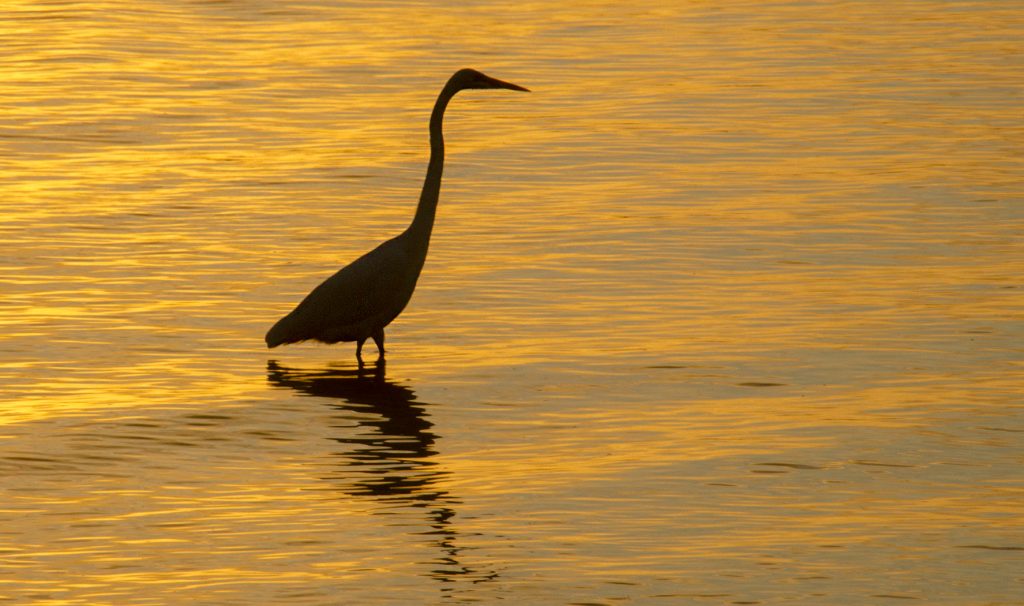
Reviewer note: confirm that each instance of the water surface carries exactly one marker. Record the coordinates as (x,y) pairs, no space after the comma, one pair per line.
(728,310)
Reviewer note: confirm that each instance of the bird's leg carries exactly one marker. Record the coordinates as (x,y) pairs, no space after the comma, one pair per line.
(378,339)
(359,352)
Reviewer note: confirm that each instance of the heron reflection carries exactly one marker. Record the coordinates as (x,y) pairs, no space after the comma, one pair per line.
(388,451)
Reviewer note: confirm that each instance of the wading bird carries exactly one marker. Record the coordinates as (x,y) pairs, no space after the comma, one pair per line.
(356,303)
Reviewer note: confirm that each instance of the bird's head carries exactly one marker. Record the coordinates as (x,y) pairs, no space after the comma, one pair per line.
(470,78)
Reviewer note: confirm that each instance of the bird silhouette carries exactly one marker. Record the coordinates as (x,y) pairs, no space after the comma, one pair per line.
(357,302)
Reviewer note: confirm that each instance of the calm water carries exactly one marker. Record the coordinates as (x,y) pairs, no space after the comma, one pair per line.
(727,311)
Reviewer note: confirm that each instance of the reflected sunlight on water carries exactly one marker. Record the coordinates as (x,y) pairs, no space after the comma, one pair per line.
(727,310)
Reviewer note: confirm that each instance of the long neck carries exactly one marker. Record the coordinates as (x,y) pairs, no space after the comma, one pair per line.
(423,222)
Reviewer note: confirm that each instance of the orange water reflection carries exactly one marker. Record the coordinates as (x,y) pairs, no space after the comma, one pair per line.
(730,306)
(390,458)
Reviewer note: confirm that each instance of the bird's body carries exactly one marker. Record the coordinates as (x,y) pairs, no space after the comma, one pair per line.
(358,301)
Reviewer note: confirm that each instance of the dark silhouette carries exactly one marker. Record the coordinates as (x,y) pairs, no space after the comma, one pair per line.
(389,453)
(365,296)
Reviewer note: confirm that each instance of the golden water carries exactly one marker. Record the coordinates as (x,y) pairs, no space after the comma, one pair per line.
(728,310)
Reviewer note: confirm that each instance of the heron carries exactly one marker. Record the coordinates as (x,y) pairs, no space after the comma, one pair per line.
(362,298)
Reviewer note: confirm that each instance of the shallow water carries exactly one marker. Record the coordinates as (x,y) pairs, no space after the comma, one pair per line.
(726,311)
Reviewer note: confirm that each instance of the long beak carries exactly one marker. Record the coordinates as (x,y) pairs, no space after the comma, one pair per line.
(502,84)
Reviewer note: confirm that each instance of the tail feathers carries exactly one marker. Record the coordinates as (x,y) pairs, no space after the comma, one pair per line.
(283,332)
